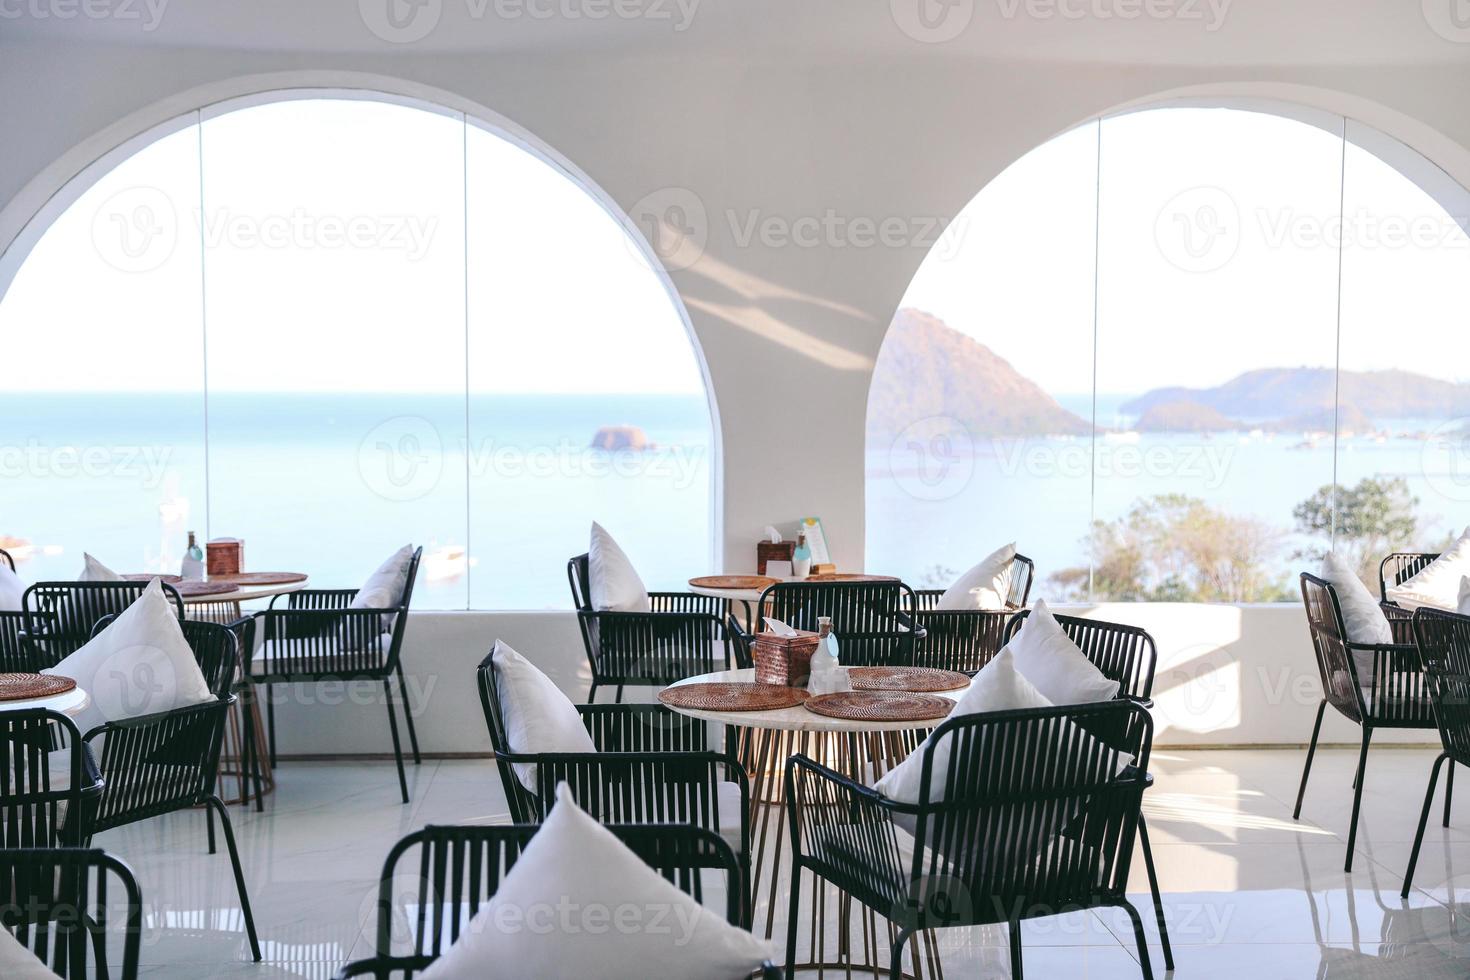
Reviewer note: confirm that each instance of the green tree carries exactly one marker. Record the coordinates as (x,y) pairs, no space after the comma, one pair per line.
(1375,517)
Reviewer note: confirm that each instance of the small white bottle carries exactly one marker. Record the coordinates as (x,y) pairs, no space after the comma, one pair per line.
(801,558)
(191,569)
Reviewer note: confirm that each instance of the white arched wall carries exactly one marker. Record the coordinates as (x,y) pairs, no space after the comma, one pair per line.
(789,332)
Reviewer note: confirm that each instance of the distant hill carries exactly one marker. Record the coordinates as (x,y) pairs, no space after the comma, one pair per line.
(927,368)
(1184,416)
(1289,393)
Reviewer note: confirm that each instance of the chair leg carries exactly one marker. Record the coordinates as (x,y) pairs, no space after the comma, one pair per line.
(619,698)
(1138,937)
(209,822)
(1153,885)
(1307,769)
(895,962)
(1357,798)
(793,918)
(215,803)
(270,723)
(397,746)
(592,694)
(1014,928)
(249,711)
(1423,820)
(1449,790)
(413,736)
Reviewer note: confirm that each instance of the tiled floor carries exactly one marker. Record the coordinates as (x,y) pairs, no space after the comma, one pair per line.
(1249,892)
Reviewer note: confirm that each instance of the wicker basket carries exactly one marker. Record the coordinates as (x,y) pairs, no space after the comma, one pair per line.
(784,659)
(224,557)
(766,551)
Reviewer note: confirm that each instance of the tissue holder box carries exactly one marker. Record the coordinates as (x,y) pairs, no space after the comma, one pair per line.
(766,551)
(784,660)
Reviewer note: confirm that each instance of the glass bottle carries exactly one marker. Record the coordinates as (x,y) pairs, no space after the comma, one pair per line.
(192,567)
(801,558)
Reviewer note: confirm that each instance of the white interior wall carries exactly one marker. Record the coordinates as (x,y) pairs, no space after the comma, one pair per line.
(789,332)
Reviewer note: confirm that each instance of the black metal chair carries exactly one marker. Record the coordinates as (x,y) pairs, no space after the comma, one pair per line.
(15,655)
(44,801)
(652,765)
(168,761)
(966,639)
(870,618)
(1035,820)
(1394,695)
(1128,655)
(1443,640)
(1399,567)
(5,557)
(683,635)
(60,616)
(319,637)
(56,903)
(460,868)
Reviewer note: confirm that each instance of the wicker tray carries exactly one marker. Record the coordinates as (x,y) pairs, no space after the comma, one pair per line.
(260,578)
(732,696)
(906,679)
(19,687)
(741,582)
(880,706)
(150,576)
(188,590)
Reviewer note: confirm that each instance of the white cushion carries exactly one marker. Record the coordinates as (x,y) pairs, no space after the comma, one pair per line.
(1048,658)
(999,686)
(1438,584)
(94,571)
(19,963)
(139,665)
(1464,604)
(578,903)
(11,589)
(985,586)
(1362,616)
(384,588)
(613,582)
(538,717)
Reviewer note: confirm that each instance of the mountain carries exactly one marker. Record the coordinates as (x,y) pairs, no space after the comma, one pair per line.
(1185,416)
(928,368)
(1285,393)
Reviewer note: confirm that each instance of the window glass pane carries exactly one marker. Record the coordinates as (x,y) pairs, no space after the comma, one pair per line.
(1216,351)
(333,236)
(1404,449)
(103,401)
(574,341)
(979,418)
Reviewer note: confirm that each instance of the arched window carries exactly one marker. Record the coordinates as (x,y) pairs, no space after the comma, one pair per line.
(329,325)
(1176,354)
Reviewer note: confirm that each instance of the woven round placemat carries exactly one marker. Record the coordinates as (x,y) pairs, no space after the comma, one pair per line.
(906,679)
(880,706)
(149,576)
(743,582)
(191,589)
(260,578)
(732,696)
(18,687)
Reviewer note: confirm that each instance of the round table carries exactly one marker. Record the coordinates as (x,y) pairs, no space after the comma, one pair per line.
(70,703)
(862,751)
(749,597)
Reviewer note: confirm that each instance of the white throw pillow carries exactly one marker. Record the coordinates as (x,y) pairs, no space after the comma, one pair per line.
(94,571)
(985,586)
(1438,584)
(139,665)
(1464,604)
(11,589)
(613,582)
(538,717)
(1362,616)
(998,687)
(384,588)
(1048,658)
(579,903)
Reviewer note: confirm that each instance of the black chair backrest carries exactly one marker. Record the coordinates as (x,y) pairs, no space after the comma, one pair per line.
(16,656)
(1443,639)
(1126,654)
(580,579)
(869,618)
(5,557)
(60,616)
(1335,663)
(459,869)
(41,806)
(1399,567)
(523,804)
(55,900)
